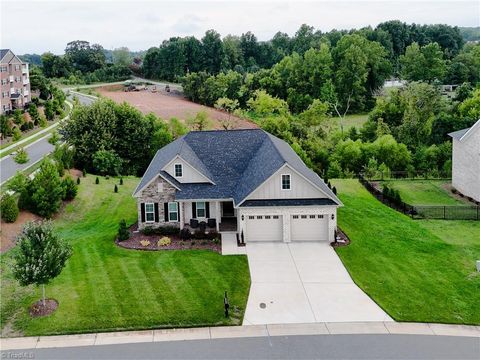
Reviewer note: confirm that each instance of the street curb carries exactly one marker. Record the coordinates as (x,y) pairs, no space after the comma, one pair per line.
(247,331)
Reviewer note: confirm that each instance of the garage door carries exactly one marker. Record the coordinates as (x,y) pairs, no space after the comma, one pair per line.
(264,228)
(309,228)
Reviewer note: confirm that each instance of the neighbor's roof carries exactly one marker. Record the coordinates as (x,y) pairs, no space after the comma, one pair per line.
(236,161)
(3,52)
(461,134)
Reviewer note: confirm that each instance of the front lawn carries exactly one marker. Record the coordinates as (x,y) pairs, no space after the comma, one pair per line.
(416,270)
(104,287)
(425,192)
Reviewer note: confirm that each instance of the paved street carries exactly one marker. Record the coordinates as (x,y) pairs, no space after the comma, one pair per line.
(303,283)
(278,347)
(36,151)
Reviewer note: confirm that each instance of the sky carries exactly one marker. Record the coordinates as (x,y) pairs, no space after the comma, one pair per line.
(37,26)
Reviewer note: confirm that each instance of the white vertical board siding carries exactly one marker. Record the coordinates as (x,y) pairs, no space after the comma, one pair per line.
(300,188)
(190,174)
(466,165)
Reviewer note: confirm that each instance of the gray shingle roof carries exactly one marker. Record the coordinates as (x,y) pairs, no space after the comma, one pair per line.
(237,161)
(458,134)
(3,52)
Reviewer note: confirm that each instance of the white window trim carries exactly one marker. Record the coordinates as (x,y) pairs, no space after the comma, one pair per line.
(281,182)
(169,212)
(175,171)
(204,210)
(150,212)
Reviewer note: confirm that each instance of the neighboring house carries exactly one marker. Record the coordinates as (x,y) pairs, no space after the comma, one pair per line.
(466,161)
(245,181)
(14,82)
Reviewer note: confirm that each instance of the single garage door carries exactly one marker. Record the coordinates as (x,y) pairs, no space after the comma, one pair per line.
(264,228)
(309,228)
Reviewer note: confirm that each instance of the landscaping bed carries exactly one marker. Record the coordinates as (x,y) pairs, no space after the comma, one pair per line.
(140,241)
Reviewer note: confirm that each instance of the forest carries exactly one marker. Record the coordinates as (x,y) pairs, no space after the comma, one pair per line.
(302,87)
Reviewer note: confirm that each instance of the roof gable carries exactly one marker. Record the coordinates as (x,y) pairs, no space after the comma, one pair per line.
(464,134)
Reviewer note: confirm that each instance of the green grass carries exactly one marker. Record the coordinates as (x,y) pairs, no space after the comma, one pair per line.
(425,192)
(416,270)
(354,120)
(104,287)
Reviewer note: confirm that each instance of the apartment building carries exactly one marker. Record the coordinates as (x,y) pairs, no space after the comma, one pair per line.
(14,82)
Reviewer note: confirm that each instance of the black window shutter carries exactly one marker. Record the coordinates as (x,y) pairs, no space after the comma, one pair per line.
(155,205)
(142,211)
(165,211)
(194,210)
(207,210)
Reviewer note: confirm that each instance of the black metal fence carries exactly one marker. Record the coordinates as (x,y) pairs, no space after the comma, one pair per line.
(451,212)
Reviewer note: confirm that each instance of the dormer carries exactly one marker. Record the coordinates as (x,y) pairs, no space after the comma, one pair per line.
(183,172)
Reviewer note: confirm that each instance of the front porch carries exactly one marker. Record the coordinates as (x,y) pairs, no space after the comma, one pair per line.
(209,215)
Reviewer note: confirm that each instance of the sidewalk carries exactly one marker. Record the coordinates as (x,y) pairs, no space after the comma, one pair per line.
(209,333)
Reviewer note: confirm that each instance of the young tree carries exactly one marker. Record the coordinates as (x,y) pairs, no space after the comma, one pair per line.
(229,106)
(200,122)
(107,162)
(46,190)
(9,208)
(41,255)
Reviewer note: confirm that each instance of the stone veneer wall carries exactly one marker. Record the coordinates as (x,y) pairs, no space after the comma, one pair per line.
(151,195)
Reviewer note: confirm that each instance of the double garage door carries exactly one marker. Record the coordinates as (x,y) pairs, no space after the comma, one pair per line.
(270,228)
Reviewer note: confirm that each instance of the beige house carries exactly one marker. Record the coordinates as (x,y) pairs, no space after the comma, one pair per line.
(466,161)
(248,182)
(14,82)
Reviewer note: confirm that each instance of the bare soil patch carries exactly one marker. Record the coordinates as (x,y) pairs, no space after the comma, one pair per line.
(140,241)
(167,106)
(9,231)
(38,309)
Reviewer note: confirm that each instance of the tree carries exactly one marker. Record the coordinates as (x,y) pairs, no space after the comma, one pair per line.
(121,56)
(123,233)
(213,51)
(200,122)
(423,63)
(46,190)
(265,104)
(69,188)
(229,106)
(107,162)
(9,208)
(85,57)
(470,107)
(41,255)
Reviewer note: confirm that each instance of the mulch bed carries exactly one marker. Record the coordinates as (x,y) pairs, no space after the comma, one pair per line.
(342,239)
(37,309)
(134,242)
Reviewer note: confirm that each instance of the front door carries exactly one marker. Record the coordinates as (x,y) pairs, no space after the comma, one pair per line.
(227,209)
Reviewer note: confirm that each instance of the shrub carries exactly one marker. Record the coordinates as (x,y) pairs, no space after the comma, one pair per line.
(16,134)
(70,188)
(9,208)
(334,190)
(84,173)
(148,230)
(185,234)
(42,122)
(121,181)
(54,138)
(78,181)
(123,233)
(115,189)
(164,241)
(211,235)
(21,157)
(199,234)
(97,181)
(168,230)
(144,243)
(45,190)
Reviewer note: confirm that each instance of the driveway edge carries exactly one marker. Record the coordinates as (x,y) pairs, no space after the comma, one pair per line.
(246,331)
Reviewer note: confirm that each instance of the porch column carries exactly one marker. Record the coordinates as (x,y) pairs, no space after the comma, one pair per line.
(180,215)
(218,214)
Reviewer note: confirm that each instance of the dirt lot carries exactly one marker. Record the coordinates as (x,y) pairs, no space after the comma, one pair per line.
(168,106)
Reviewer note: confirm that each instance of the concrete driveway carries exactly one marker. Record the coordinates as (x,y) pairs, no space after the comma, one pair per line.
(303,283)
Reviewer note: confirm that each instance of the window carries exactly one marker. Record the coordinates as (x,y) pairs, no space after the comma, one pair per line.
(286,182)
(17,67)
(303,216)
(173,211)
(3,69)
(178,170)
(259,217)
(149,212)
(312,216)
(320,216)
(251,217)
(267,217)
(295,216)
(275,216)
(200,209)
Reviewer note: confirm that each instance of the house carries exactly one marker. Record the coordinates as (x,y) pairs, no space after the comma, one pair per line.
(244,181)
(466,161)
(14,82)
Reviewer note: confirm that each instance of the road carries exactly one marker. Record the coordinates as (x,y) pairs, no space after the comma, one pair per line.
(279,347)
(36,151)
